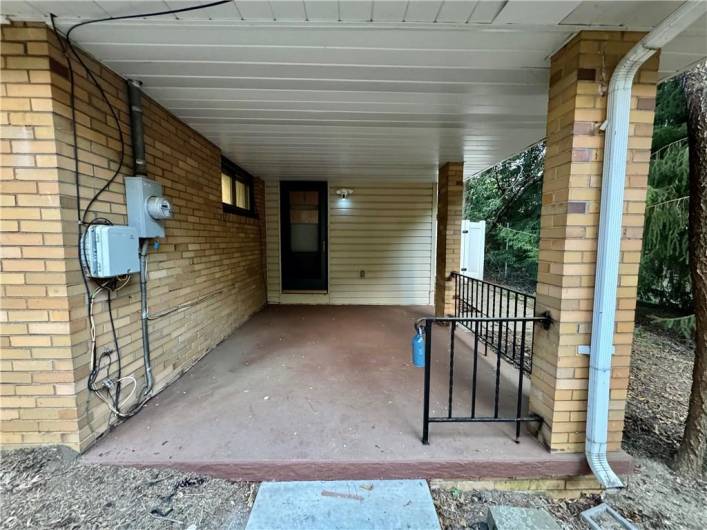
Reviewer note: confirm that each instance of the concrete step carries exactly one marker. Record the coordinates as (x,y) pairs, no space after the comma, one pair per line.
(344,505)
(512,518)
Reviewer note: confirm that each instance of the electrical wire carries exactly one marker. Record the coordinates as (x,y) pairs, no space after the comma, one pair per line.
(68,49)
(148,15)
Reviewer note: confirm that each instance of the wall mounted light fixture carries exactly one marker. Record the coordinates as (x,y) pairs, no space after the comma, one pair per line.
(344,193)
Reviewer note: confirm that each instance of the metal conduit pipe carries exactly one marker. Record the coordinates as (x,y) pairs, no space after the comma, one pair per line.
(610,227)
(144,318)
(137,135)
(137,132)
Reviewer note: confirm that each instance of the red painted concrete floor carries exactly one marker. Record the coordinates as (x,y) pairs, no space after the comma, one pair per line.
(324,393)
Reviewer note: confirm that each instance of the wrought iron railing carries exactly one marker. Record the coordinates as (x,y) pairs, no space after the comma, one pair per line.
(475,411)
(502,307)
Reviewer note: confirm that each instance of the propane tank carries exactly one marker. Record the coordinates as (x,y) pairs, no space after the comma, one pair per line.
(418,349)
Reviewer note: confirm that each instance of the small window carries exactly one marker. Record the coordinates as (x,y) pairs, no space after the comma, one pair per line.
(236,189)
(226,189)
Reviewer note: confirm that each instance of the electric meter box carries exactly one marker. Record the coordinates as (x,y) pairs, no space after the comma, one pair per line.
(111,251)
(146,206)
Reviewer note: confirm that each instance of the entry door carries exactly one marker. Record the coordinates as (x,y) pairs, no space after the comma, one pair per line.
(303,232)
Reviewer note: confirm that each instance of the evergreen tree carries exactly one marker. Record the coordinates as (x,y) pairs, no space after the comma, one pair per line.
(664,275)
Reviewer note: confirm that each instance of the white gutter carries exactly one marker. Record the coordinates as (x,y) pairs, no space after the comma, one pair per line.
(610,228)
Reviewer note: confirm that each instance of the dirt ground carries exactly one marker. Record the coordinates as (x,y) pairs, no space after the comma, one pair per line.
(50,488)
(658,394)
(656,498)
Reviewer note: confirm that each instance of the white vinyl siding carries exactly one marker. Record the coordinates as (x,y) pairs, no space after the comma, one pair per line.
(385,230)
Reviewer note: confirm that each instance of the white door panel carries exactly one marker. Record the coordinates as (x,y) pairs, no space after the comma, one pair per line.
(472,251)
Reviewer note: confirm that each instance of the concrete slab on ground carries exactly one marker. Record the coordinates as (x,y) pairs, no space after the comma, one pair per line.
(344,505)
(513,518)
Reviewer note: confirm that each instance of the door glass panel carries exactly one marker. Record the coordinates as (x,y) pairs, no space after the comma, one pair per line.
(304,221)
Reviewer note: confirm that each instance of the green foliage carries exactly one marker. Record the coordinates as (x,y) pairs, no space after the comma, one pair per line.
(664,275)
(683,326)
(671,105)
(665,136)
(670,124)
(508,197)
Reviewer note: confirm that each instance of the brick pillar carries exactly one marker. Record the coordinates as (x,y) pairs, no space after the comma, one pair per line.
(450,197)
(39,383)
(579,76)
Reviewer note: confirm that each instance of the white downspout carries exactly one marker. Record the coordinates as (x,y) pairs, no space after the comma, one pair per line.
(610,228)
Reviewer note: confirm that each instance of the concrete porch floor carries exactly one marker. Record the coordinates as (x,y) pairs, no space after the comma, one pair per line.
(326,393)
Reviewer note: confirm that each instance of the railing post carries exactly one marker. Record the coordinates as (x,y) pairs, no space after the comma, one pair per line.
(426,398)
(498,377)
(519,404)
(452,329)
(457,297)
(476,361)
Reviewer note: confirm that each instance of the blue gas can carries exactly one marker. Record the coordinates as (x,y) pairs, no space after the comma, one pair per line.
(418,349)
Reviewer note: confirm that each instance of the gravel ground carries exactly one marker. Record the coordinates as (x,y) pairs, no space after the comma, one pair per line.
(50,488)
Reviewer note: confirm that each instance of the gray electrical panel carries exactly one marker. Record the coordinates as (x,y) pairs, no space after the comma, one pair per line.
(146,206)
(110,251)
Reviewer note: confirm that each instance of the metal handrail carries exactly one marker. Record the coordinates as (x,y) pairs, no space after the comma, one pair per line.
(424,325)
(516,291)
(476,298)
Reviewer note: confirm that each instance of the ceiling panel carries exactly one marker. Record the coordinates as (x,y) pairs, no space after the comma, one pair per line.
(627,13)
(81,9)
(322,11)
(385,11)
(255,11)
(486,11)
(226,11)
(355,89)
(288,10)
(356,11)
(458,12)
(423,11)
(116,8)
(535,12)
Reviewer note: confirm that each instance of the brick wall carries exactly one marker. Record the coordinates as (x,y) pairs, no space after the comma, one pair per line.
(561,487)
(579,77)
(206,255)
(450,198)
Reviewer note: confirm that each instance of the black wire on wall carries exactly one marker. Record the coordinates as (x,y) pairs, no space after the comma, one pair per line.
(68,49)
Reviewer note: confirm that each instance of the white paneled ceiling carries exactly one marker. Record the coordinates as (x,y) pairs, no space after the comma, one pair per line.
(355,89)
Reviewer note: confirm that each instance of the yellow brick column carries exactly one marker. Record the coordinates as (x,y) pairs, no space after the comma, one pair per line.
(579,77)
(450,197)
(38,405)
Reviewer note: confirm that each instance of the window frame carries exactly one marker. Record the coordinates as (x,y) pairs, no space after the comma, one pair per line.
(238,174)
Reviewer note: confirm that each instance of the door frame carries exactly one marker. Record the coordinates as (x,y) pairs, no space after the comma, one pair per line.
(304,185)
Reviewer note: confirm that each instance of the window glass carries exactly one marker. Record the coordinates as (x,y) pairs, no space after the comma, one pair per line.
(236,189)
(226,189)
(242,195)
